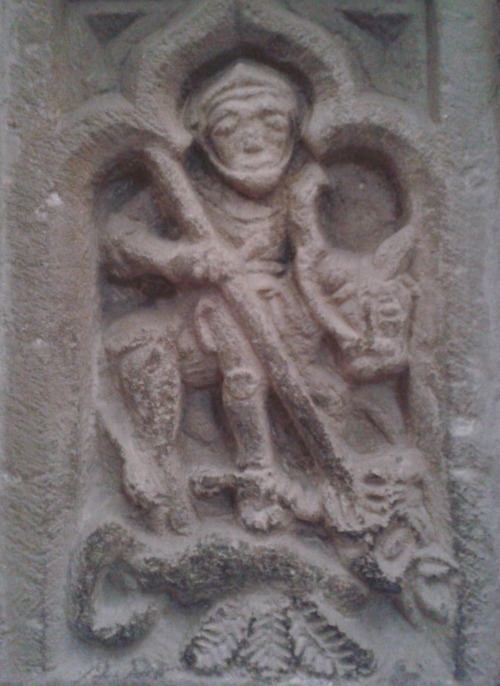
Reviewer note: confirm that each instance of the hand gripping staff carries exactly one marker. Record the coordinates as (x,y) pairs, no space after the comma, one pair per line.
(181,197)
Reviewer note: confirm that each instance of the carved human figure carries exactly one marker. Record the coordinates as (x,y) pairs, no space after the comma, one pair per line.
(260,191)
(245,121)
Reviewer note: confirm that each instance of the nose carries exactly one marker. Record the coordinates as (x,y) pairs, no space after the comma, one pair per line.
(253,140)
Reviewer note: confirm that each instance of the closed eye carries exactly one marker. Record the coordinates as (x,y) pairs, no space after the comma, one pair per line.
(374,479)
(226,125)
(276,121)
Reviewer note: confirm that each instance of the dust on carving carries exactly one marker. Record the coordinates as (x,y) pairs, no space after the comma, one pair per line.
(252,382)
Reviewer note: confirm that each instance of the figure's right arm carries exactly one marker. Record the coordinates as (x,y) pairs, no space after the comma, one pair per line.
(132,250)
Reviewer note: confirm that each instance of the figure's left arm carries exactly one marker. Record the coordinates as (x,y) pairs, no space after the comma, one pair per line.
(316,259)
(320,269)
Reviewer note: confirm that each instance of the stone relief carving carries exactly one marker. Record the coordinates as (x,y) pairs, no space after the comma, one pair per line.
(254,375)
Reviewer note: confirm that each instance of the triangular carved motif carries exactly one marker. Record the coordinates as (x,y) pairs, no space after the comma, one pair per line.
(107,26)
(385,27)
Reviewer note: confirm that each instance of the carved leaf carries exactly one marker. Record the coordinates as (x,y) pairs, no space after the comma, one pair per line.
(217,642)
(268,649)
(311,648)
(323,650)
(433,586)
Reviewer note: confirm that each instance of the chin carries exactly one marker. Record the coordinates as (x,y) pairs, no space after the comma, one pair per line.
(254,182)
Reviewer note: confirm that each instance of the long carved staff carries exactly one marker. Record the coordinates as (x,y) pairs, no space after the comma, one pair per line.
(244,305)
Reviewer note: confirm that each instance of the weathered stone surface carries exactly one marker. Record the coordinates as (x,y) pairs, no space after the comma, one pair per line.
(250,355)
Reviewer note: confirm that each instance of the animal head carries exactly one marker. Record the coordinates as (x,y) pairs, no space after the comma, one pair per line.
(377,301)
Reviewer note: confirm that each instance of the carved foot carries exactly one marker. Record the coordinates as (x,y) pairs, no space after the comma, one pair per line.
(256,493)
(258,515)
(258,503)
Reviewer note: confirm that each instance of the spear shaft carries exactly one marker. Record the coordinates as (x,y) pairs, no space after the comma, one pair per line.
(177,193)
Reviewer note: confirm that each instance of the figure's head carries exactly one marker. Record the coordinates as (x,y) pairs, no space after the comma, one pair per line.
(245,119)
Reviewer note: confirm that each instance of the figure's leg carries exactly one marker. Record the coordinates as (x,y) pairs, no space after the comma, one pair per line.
(244,387)
(244,394)
(244,391)
(141,414)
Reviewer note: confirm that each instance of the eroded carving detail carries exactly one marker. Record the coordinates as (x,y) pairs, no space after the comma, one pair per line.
(252,378)
(288,634)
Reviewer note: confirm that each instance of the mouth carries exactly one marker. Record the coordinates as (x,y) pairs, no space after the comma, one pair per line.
(260,159)
(253,149)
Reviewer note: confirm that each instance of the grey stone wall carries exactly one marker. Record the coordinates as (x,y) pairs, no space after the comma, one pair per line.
(160,529)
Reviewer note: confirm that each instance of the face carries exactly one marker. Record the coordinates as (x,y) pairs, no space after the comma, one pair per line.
(250,135)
